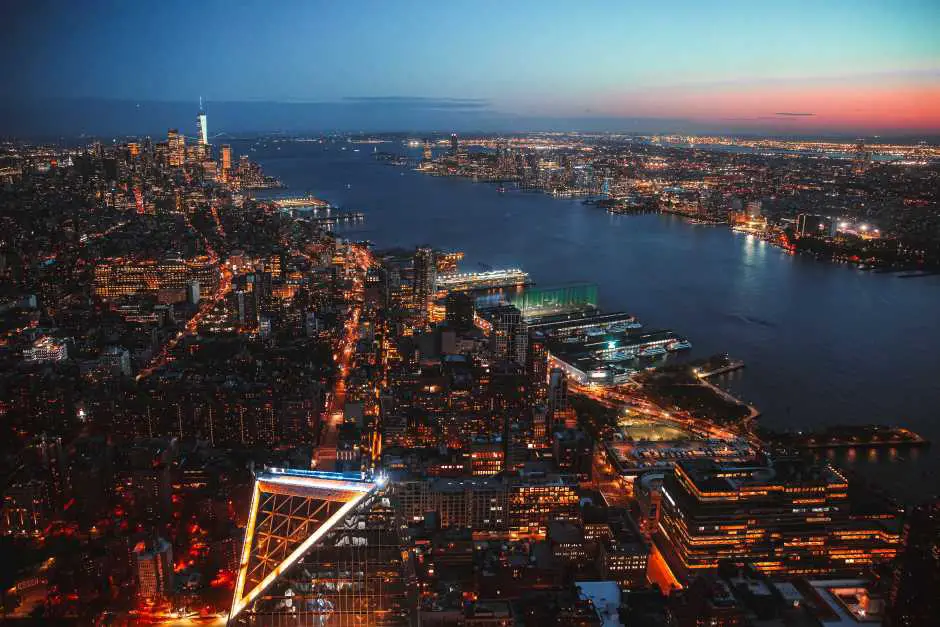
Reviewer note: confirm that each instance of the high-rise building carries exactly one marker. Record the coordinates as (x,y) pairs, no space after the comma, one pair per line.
(203,128)
(537,364)
(573,450)
(459,311)
(175,148)
(154,569)
(226,158)
(808,225)
(454,144)
(787,518)
(192,292)
(427,150)
(116,360)
(914,599)
(536,502)
(425,278)
(510,336)
(557,399)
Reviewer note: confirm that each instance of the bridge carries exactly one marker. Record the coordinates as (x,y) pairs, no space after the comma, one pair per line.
(314,545)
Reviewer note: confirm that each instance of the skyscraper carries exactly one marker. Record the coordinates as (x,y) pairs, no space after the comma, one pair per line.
(176,148)
(154,569)
(203,129)
(557,399)
(453,143)
(510,335)
(459,311)
(425,279)
(226,158)
(808,225)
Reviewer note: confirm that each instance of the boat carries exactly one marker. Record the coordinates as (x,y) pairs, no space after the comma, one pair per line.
(652,351)
(501,189)
(679,345)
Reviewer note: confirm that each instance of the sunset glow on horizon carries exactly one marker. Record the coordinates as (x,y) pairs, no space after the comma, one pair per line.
(865,65)
(913,105)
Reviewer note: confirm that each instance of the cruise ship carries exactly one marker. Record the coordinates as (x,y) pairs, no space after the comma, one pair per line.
(620,355)
(619,327)
(652,351)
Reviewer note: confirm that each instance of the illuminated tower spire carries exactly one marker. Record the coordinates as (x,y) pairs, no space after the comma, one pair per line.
(203,129)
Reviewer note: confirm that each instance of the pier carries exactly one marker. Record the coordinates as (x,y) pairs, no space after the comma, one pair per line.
(848,436)
(733,365)
(336,217)
(295,202)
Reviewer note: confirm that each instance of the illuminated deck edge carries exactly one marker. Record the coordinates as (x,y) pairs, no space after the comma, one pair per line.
(358,485)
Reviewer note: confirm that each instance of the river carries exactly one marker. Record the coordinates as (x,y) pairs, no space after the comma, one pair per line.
(823,343)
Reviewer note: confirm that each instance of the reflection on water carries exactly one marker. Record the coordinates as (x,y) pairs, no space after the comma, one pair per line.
(823,343)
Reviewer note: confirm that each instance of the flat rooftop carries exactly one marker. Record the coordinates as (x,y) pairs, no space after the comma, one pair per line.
(717,476)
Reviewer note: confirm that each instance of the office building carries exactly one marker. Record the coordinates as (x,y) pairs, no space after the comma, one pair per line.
(225,156)
(459,311)
(116,360)
(425,278)
(115,278)
(786,518)
(533,503)
(192,292)
(203,126)
(154,569)
(557,399)
(623,556)
(808,225)
(510,338)
(175,148)
(573,450)
(520,507)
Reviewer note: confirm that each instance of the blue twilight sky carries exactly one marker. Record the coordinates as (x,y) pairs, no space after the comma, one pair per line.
(489,60)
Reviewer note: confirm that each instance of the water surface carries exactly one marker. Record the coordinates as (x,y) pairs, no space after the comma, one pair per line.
(824,343)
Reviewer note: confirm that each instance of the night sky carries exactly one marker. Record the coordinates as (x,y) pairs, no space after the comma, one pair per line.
(825,66)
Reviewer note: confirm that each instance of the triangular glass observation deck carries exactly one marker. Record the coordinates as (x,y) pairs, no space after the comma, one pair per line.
(291,510)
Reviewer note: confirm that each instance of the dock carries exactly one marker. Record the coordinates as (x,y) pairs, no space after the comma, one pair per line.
(297,202)
(736,364)
(335,217)
(841,437)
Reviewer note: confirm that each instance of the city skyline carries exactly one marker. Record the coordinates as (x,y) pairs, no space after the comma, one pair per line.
(488,315)
(871,68)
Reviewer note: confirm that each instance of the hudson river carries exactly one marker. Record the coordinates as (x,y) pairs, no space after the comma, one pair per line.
(824,343)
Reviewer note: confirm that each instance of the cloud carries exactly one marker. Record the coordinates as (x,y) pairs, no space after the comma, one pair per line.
(420,102)
(795,115)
